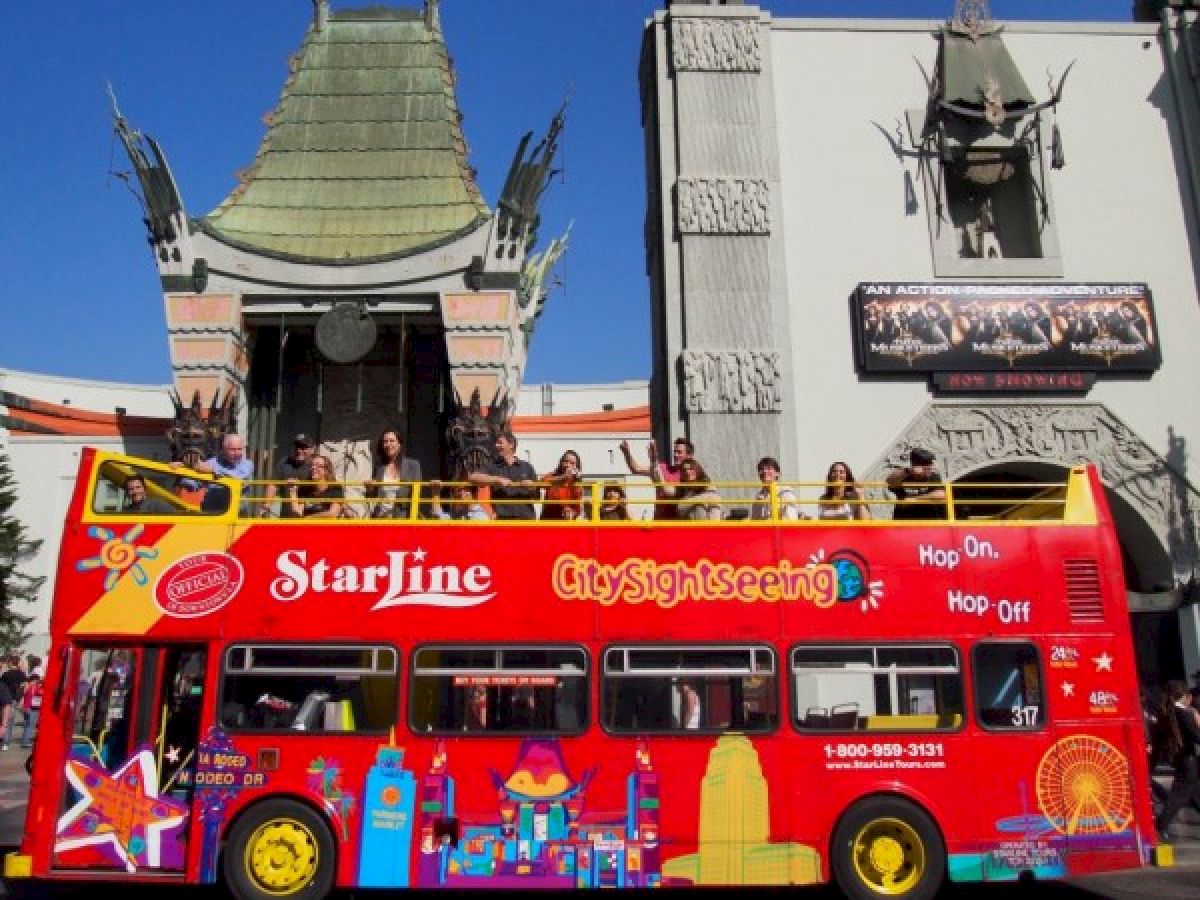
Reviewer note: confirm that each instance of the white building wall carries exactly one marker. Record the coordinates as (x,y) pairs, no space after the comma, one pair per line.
(45,467)
(93,396)
(565,399)
(1120,215)
(599,452)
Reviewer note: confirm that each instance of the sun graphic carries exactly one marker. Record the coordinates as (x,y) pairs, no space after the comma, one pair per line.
(1083,786)
(118,555)
(853,574)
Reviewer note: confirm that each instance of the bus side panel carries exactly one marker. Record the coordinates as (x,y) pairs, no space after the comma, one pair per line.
(834,772)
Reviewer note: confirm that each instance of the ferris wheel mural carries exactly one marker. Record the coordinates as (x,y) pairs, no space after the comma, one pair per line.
(1083,787)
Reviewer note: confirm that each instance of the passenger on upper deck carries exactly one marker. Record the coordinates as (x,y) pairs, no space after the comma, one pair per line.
(463,505)
(768,474)
(843,497)
(564,497)
(322,500)
(137,502)
(293,467)
(660,472)
(231,462)
(696,500)
(391,483)
(511,480)
(918,488)
(612,505)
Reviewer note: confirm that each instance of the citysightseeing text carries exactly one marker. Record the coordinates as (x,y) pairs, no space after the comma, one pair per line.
(667,584)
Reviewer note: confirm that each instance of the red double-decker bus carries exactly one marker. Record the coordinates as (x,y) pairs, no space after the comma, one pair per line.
(405,703)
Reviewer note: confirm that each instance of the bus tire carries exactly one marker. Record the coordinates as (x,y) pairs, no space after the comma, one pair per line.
(887,847)
(279,848)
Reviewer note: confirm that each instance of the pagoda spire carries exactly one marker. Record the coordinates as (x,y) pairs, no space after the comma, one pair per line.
(162,209)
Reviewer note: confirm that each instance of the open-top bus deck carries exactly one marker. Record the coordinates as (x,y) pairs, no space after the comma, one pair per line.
(294,704)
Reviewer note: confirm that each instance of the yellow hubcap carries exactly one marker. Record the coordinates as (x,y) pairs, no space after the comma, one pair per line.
(281,856)
(889,856)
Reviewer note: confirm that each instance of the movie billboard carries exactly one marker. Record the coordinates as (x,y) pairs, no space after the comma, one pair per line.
(912,328)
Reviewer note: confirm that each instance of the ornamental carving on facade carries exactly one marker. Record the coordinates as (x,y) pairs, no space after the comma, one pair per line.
(723,206)
(967,439)
(715,45)
(732,381)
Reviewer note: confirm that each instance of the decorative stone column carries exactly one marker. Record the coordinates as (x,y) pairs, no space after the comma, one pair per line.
(721,356)
(208,353)
(484,343)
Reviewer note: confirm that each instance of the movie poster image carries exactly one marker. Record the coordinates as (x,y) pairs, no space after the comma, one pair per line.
(982,327)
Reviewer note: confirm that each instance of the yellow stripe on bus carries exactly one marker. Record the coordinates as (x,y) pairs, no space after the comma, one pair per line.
(129,607)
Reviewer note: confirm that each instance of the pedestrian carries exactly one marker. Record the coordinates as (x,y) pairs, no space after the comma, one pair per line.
(30,708)
(1183,731)
(1154,725)
(14,679)
(6,705)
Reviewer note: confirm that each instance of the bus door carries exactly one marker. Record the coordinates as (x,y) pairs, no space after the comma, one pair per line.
(128,773)
(1019,833)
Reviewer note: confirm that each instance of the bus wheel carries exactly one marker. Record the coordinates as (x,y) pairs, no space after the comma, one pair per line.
(887,847)
(279,848)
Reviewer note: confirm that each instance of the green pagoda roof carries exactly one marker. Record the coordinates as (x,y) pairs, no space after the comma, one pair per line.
(364,158)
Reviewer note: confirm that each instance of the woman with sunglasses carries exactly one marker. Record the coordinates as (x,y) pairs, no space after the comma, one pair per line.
(320,500)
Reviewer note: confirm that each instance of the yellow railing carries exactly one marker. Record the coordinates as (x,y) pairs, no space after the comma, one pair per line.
(732,503)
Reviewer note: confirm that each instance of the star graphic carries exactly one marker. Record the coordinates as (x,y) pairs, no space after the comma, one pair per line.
(419,554)
(1103,662)
(121,812)
(1068,689)
(172,755)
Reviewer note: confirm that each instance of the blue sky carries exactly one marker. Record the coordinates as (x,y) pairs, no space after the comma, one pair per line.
(79,294)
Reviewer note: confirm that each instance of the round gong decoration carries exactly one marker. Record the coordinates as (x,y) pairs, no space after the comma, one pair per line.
(345,333)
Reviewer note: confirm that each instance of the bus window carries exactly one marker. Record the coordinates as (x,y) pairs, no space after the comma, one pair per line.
(325,688)
(123,489)
(847,687)
(1008,687)
(667,689)
(489,690)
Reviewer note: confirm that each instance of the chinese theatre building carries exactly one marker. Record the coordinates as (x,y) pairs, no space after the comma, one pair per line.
(971,237)
(354,278)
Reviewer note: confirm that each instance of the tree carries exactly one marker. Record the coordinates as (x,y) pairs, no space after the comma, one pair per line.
(15,588)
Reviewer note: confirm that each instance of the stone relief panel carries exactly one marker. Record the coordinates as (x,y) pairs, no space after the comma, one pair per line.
(724,206)
(968,438)
(732,381)
(716,45)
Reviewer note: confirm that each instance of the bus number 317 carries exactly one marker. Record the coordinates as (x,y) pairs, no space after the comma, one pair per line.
(1024,716)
